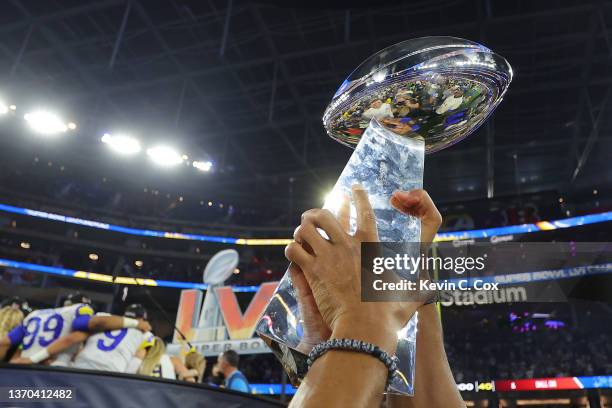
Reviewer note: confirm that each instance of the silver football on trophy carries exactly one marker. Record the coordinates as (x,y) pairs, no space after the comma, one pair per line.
(438,88)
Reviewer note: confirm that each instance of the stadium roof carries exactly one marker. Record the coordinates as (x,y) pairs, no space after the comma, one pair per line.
(246,83)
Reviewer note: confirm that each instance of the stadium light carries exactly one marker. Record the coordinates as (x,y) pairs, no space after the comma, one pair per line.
(164,156)
(203,165)
(45,122)
(121,144)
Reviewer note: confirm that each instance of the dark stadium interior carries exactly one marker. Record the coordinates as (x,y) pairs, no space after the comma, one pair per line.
(253,103)
(244,84)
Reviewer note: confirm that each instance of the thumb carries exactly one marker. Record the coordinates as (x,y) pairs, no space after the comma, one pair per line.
(419,204)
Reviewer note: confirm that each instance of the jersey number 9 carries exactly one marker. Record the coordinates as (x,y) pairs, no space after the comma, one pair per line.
(115,338)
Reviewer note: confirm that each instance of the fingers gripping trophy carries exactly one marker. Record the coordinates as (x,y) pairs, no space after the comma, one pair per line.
(415,97)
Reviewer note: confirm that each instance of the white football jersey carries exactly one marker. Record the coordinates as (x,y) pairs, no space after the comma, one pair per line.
(164,369)
(43,327)
(110,350)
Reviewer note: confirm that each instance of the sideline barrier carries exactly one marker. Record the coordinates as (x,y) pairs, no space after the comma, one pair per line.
(442,236)
(97,389)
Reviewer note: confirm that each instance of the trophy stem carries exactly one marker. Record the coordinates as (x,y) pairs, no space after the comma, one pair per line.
(383,162)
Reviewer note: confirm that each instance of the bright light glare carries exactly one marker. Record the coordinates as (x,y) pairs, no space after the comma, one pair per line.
(403,333)
(203,165)
(379,76)
(164,156)
(333,200)
(3,108)
(122,144)
(72,126)
(45,122)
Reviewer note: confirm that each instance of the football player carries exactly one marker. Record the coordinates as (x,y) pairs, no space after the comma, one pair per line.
(110,350)
(42,327)
(113,350)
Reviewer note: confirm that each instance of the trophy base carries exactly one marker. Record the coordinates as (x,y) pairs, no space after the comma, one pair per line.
(293,362)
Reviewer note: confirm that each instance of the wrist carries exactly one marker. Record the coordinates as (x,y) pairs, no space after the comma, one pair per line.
(188,374)
(129,323)
(39,356)
(376,332)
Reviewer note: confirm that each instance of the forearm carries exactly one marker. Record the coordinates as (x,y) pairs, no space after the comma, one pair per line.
(54,348)
(3,350)
(66,342)
(103,323)
(347,378)
(434,385)
(5,344)
(181,371)
(107,323)
(133,365)
(16,356)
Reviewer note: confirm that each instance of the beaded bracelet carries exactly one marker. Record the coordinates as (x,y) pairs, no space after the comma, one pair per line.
(358,346)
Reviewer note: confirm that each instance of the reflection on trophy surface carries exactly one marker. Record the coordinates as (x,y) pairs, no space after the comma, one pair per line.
(415,97)
(439,88)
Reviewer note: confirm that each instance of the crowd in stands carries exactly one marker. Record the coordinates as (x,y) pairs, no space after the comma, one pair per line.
(420,106)
(489,350)
(490,347)
(101,198)
(253,269)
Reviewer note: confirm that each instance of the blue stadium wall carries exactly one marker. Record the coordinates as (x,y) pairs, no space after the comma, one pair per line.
(94,389)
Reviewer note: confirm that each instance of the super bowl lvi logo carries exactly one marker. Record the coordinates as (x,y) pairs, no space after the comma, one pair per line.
(213,321)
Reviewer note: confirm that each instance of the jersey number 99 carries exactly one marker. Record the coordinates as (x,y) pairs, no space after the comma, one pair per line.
(51,331)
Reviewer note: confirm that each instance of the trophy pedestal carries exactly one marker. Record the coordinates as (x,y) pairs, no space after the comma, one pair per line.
(382,163)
